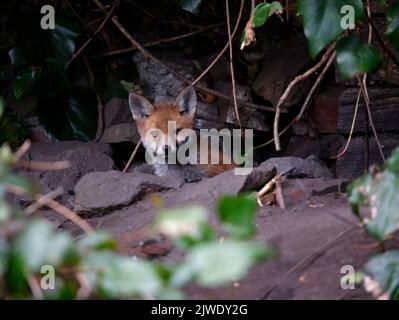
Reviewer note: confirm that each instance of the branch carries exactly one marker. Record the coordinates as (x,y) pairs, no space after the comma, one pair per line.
(287,91)
(233,82)
(108,15)
(171,70)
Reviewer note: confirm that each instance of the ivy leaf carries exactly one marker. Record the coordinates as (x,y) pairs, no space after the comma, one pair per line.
(23,82)
(50,79)
(72,116)
(322,21)
(265,10)
(384,268)
(379,194)
(261,13)
(237,215)
(213,264)
(356,57)
(116,276)
(393,25)
(97,241)
(189,226)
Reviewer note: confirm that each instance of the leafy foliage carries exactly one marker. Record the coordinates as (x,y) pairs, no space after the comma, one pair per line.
(384,268)
(356,57)
(26,246)
(378,192)
(393,25)
(260,15)
(322,21)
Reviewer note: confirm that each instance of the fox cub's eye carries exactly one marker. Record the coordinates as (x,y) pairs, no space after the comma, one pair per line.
(154,133)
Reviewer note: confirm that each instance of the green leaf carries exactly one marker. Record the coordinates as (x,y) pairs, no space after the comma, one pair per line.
(356,57)
(190,5)
(237,215)
(384,268)
(188,225)
(260,15)
(379,194)
(29,185)
(212,264)
(37,245)
(322,21)
(3,256)
(116,276)
(393,25)
(100,240)
(35,45)
(265,10)
(50,79)
(72,116)
(23,82)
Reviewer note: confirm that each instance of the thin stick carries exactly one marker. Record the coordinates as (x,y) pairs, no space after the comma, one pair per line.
(233,82)
(279,193)
(132,156)
(48,166)
(43,201)
(22,150)
(56,206)
(178,75)
(339,155)
(108,15)
(316,85)
(287,91)
(223,50)
(367,102)
(158,42)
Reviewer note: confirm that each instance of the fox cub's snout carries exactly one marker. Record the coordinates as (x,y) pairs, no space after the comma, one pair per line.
(161,126)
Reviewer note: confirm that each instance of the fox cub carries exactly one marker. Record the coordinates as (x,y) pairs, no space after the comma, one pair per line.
(167,133)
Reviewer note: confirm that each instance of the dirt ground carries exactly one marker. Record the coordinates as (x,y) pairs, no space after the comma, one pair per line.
(314,237)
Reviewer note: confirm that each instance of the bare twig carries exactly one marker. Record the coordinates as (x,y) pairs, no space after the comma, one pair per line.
(316,85)
(34,287)
(158,42)
(38,165)
(43,201)
(223,50)
(287,91)
(56,206)
(171,70)
(22,150)
(108,15)
(390,53)
(279,193)
(367,102)
(233,82)
(339,155)
(132,156)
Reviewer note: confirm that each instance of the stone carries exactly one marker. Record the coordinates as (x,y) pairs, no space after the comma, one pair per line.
(102,192)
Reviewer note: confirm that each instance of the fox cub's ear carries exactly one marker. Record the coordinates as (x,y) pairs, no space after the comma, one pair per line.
(186,101)
(139,106)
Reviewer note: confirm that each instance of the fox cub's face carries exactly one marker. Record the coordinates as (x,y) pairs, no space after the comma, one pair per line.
(155,123)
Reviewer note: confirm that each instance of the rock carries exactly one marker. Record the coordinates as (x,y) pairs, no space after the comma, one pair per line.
(101,192)
(293,167)
(281,64)
(158,83)
(83,158)
(118,123)
(117,111)
(322,147)
(120,133)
